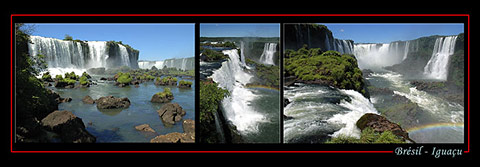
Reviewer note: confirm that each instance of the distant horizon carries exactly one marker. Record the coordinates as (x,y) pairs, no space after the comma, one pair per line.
(377,33)
(154,41)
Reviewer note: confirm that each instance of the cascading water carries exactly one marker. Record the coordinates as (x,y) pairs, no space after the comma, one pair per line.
(179,63)
(437,66)
(405,52)
(150,64)
(236,107)
(60,54)
(242,57)
(376,56)
(269,51)
(343,46)
(319,112)
(440,111)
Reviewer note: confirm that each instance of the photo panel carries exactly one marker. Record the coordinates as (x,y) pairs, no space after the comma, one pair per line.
(104,83)
(240,83)
(374,83)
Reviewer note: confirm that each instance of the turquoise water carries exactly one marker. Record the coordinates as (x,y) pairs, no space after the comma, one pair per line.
(117,125)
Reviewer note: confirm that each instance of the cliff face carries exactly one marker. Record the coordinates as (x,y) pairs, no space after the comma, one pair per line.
(313,35)
(413,66)
(120,55)
(83,54)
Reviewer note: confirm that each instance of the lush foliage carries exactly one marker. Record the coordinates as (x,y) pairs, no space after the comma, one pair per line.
(212,55)
(124,78)
(46,76)
(183,82)
(35,100)
(166,93)
(168,79)
(268,75)
(329,67)
(210,97)
(368,136)
(71,75)
(83,80)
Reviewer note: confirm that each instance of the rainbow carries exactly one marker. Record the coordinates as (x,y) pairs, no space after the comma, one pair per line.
(434,126)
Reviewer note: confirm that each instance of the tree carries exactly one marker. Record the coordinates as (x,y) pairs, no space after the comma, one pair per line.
(68,38)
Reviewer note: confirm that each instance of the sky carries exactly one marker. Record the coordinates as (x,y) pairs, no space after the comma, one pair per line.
(240,30)
(154,41)
(388,32)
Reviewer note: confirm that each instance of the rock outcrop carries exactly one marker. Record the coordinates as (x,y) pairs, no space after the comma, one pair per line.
(69,127)
(381,124)
(171,113)
(188,135)
(88,100)
(111,102)
(144,128)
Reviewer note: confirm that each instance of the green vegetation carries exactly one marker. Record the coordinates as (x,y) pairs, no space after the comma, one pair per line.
(315,66)
(183,82)
(368,136)
(71,75)
(114,43)
(166,93)
(212,55)
(83,80)
(210,97)
(35,100)
(268,75)
(124,78)
(47,77)
(68,38)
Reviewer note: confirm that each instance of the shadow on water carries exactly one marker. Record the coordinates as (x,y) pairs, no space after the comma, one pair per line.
(110,112)
(106,135)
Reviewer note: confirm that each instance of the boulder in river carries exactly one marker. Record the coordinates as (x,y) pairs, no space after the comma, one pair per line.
(88,100)
(145,128)
(381,124)
(171,113)
(69,127)
(110,102)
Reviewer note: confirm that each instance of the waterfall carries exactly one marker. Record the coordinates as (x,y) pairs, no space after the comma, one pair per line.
(150,64)
(356,109)
(376,56)
(124,56)
(405,52)
(340,45)
(80,55)
(178,63)
(242,58)
(231,76)
(437,66)
(373,56)
(268,53)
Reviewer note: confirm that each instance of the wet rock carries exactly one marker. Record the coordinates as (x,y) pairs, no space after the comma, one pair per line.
(285,102)
(171,113)
(88,100)
(189,126)
(69,127)
(174,137)
(287,117)
(380,124)
(110,102)
(63,84)
(63,100)
(161,98)
(103,79)
(145,128)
